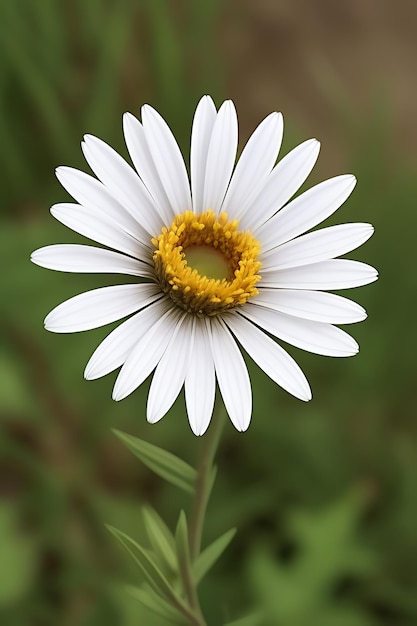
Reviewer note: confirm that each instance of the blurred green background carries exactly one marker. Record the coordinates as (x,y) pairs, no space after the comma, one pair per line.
(324,495)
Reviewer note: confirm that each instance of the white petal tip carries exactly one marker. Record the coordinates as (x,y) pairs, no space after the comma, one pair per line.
(90,373)
(49,322)
(354,349)
(198,430)
(34,257)
(117,395)
(128,119)
(313,143)
(348,183)
(361,315)
(241,427)
(373,275)
(54,210)
(229,107)
(302,392)
(153,418)
(275,116)
(146,109)
(51,326)
(61,173)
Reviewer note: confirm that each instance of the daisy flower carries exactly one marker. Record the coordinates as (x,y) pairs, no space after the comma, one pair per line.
(220,261)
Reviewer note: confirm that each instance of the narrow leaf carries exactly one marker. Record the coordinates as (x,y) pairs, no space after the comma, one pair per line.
(160,537)
(210,555)
(150,570)
(182,543)
(163,463)
(184,560)
(155,603)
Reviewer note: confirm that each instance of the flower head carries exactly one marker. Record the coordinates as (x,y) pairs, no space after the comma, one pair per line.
(224,261)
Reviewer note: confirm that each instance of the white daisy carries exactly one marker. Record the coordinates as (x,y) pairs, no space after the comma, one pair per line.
(218,263)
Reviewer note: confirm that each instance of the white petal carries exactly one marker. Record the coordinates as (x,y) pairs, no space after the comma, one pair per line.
(100,228)
(114,349)
(313,337)
(168,160)
(270,357)
(145,355)
(92,194)
(99,307)
(333,274)
(123,182)
(282,183)
(204,118)
(87,259)
(318,306)
(254,166)
(170,372)
(200,381)
(142,160)
(221,157)
(317,246)
(232,374)
(306,211)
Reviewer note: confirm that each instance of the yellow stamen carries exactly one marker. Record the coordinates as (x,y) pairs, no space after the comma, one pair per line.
(206,236)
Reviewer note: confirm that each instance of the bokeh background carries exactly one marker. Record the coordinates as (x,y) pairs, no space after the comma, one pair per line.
(324,495)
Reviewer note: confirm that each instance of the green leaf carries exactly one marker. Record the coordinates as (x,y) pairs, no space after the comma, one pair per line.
(155,603)
(209,556)
(143,558)
(184,561)
(183,546)
(163,463)
(154,577)
(160,537)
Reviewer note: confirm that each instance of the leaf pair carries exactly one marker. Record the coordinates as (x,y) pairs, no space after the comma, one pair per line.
(171,575)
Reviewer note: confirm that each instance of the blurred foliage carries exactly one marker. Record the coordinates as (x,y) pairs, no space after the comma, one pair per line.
(323,495)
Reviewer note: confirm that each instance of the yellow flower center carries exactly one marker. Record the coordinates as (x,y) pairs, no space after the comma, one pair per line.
(205,264)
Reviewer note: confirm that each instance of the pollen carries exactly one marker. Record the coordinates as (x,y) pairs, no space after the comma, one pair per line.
(205,264)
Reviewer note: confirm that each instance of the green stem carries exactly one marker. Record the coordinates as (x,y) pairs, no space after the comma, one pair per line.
(205,480)
(204,484)
(196,618)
